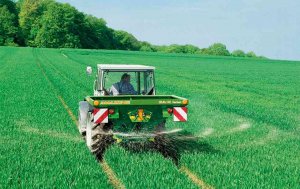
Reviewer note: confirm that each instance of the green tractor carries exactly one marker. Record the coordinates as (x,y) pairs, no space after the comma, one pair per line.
(125,107)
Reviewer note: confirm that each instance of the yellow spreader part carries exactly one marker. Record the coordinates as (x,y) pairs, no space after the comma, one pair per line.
(151,139)
(118,140)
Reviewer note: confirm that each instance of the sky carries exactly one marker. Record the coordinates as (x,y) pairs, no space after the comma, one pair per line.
(268,27)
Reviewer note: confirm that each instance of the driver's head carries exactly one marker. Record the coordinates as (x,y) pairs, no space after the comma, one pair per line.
(125,77)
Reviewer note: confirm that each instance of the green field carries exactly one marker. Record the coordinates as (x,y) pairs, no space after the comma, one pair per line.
(245,113)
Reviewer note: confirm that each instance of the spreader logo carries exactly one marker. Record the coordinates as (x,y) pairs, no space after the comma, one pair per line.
(100,115)
(180,114)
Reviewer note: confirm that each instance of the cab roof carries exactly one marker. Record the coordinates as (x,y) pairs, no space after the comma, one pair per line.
(124,67)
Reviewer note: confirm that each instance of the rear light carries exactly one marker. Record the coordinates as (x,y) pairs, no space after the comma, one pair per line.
(96,103)
(111,111)
(185,102)
(170,110)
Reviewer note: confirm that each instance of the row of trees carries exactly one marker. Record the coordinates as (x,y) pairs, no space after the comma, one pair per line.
(217,49)
(47,23)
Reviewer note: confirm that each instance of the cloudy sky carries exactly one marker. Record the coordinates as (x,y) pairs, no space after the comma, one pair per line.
(268,27)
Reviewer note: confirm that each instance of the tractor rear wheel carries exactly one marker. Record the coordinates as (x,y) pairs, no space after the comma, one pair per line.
(98,136)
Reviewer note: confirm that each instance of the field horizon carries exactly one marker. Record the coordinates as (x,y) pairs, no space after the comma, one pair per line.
(244,114)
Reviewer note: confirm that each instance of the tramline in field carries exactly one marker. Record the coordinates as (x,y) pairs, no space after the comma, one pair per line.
(120,111)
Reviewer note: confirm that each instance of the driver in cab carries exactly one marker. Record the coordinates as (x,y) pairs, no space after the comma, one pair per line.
(123,87)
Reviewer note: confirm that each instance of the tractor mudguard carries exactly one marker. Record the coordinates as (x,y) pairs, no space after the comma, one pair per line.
(84,108)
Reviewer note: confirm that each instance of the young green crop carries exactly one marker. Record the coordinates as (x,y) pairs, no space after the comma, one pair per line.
(244,112)
(39,145)
(129,176)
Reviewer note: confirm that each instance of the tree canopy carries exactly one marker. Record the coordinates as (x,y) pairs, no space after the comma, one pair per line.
(251,54)
(238,53)
(60,27)
(50,24)
(8,24)
(125,41)
(96,34)
(30,15)
(190,49)
(217,49)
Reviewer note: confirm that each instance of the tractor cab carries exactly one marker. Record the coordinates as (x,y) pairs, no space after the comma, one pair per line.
(117,79)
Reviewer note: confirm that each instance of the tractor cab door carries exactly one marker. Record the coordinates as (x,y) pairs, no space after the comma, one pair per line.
(149,85)
(99,90)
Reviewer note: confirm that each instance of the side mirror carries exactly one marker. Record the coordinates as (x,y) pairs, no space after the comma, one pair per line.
(89,70)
